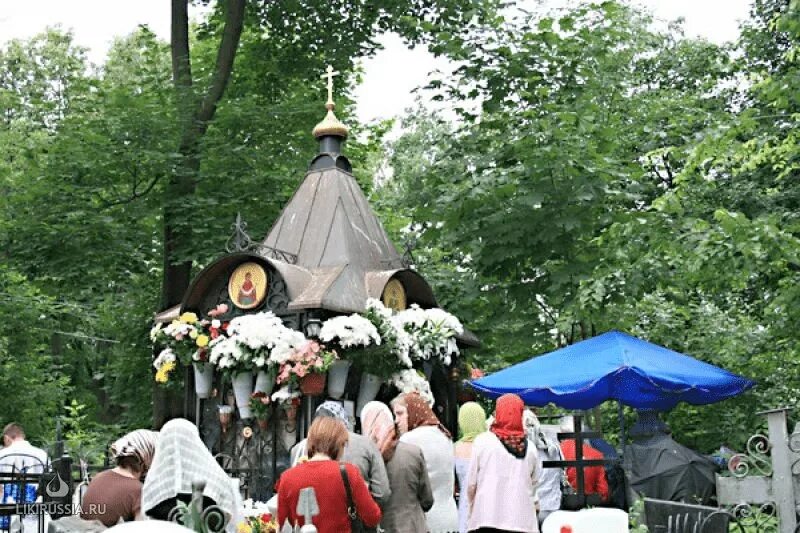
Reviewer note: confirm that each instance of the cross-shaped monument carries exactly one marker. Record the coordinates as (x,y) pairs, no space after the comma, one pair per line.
(580,499)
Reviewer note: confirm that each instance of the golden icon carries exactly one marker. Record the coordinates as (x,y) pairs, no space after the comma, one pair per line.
(394,295)
(247,286)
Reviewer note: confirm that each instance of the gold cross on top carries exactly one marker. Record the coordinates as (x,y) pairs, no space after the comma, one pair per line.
(329,73)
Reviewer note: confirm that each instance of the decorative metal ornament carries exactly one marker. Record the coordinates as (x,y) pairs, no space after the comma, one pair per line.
(247,286)
(394,295)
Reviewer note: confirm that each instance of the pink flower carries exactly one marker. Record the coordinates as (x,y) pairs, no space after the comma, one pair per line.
(476,373)
(301,371)
(314,347)
(318,363)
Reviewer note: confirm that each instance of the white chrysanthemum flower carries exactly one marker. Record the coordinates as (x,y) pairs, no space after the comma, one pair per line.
(410,381)
(284,394)
(350,331)
(165,356)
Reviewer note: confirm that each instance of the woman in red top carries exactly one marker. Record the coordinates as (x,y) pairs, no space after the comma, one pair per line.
(327,438)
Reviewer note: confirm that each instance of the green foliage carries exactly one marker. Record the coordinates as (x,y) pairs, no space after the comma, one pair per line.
(615,176)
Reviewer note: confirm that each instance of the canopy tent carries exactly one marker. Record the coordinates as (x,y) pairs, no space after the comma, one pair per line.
(614,366)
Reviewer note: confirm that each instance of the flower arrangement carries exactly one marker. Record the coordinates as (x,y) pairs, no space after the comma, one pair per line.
(351,331)
(258,341)
(257,518)
(186,336)
(287,396)
(164,365)
(412,381)
(432,333)
(309,358)
(259,405)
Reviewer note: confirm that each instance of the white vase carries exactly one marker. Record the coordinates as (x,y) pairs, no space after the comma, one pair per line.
(203,379)
(367,390)
(242,389)
(337,378)
(265,382)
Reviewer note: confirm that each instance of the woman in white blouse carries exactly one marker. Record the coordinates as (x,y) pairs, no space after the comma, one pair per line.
(418,425)
(502,475)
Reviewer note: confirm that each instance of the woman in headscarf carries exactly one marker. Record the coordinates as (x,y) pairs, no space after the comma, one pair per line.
(116,494)
(360,451)
(471,423)
(181,459)
(548,488)
(330,480)
(502,474)
(419,426)
(405,465)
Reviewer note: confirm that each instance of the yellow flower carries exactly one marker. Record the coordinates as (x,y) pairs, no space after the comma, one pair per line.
(188,318)
(244,527)
(162,375)
(202,341)
(193,334)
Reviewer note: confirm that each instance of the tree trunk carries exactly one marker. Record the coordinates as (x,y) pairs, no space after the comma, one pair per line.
(194,116)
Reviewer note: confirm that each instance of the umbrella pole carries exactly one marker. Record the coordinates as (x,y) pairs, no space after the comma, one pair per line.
(621,416)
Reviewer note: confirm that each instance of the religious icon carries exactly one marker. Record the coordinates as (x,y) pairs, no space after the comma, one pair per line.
(247,286)
(394,295)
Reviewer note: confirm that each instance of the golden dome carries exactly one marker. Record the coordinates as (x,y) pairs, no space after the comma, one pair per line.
(330,125)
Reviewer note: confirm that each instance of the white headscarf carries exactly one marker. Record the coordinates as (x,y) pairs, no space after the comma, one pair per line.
(535,434)
(181,458)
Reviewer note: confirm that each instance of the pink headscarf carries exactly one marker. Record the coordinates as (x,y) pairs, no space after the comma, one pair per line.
(377,423)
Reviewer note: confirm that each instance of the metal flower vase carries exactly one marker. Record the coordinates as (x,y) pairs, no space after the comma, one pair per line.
(242,389)
(203,379)
(265,381)
(337,378)
(367,390)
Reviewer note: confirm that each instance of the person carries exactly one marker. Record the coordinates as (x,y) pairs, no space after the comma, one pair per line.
(327,438)
(471,423)
(360,451)
(502,474)
(247,292)
(116,494)
(181,459)
(411,495)
(548,482)
(17,457)
(594,477)
(419,426)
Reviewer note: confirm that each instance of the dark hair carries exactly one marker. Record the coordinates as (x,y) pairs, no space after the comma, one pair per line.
(13,431)
(327,435)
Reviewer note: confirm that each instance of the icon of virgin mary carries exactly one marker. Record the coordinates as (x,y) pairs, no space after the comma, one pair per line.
(247,291)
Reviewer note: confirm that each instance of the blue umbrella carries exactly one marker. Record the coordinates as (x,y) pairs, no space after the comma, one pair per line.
(614,366)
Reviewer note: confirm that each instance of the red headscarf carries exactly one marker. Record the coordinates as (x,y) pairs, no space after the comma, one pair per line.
(420,413)
(507,424)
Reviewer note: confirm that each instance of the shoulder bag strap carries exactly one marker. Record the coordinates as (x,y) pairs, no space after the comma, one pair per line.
(351,508)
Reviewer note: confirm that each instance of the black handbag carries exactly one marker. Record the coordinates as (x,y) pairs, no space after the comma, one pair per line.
(356,525)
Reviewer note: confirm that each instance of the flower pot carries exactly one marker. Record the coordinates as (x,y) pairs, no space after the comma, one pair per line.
(265,381)
(263,423)
(313,384)
(203,379)
(367,391)
(337,378)
(242,389)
